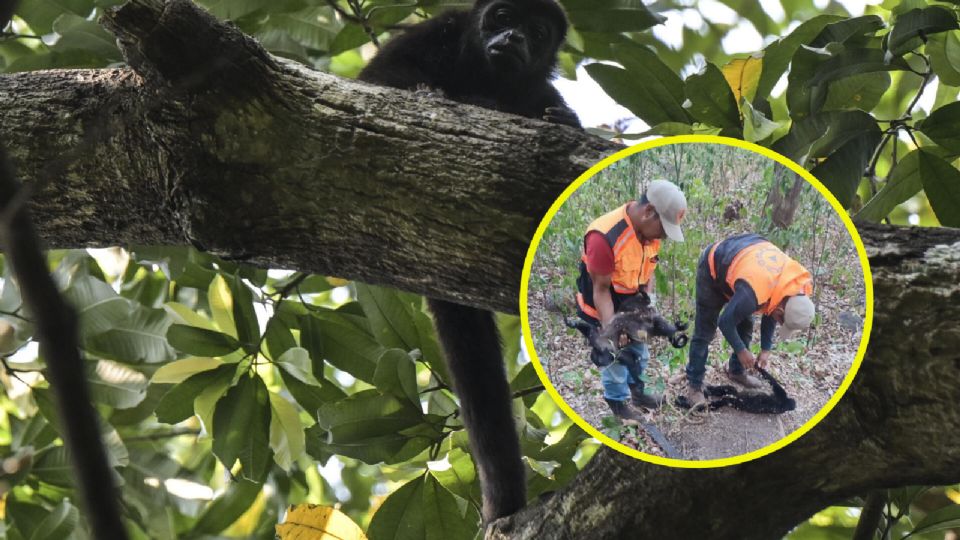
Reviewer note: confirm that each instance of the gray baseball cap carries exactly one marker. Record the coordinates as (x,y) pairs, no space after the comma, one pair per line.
(797,315)
(671,205)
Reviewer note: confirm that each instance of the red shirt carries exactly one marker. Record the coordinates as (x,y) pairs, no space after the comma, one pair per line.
(599,254)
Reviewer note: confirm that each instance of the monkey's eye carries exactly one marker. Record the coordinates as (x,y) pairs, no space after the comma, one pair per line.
(503,16)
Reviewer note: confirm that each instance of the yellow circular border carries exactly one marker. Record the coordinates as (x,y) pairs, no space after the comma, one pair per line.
(708,463)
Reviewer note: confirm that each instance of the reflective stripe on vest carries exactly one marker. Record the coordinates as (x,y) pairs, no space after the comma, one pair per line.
(769,271)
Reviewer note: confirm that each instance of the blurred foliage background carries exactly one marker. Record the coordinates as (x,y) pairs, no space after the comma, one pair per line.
(863,95)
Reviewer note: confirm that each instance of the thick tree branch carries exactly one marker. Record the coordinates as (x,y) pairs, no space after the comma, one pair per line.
(256,158)
(898,425)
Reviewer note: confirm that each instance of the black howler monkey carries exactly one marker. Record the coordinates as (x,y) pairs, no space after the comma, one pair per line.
(501,55)
(636,319)
(725,395)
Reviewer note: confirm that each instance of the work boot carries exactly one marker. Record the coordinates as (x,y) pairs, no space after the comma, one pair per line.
(624,412)
(694,396)
(647,401)
(744,379)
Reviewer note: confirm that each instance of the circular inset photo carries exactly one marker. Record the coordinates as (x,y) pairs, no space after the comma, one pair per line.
(696,301)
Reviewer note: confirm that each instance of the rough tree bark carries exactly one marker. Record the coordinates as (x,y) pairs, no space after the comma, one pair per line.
(210,140)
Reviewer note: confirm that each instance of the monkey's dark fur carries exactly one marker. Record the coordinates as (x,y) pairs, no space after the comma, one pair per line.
(725,395)
(637,320)
(501,55)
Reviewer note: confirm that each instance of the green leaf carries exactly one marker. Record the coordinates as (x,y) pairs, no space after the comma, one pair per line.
(140,338)
(756,126)
(201,342)
(278,337)
(311,397)
(179,371)
(41,14)
(824,133)
(228,507)
(347,347)
(99,307)
(947,517)
(862,92)
(248,329)
(943,126)
(646,86)
(903,182)
(610,16)
(853,31)
(241,427)
(401,516)
(422,509)
(312,27)
(53,467)
(373,427)
(843,170)
(60,524)
(390,315)
(286,432)
(296,362)
(178,404)
(711,101)
(919,23)
(311,339)
(777,55)
(941,182)
(461,477)
(396,374)
(116,385)
(854,61)
(78,33)
(944,51)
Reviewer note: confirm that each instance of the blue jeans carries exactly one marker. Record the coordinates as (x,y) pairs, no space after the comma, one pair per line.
(710,302)
(626,371)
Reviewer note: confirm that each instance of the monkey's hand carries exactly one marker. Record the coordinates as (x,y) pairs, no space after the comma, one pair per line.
(679,340)
(425,90)
(561,115)
(681,326)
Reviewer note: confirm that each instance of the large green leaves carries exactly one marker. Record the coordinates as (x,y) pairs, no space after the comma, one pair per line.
(941,182)
(610,15)
(241,427)
(904,182)
(943,127)
(840,143)
(944,51)
(711,101)
(374,427)
(201,342)
(422,509)
(777,55)
(912,28)
(645,85)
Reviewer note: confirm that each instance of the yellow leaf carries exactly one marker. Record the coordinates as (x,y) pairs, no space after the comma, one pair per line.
(315,522)
(743,75)
(179,371)
(183,315)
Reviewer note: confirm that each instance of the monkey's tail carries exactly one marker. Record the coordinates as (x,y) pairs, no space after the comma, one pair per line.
(472,346)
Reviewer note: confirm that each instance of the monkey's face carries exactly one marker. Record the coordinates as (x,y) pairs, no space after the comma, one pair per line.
(520,37)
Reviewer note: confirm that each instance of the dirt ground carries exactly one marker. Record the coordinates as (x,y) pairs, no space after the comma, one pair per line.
(809,374)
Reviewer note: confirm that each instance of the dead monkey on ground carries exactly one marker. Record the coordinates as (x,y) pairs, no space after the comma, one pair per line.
(725,395)
(501,55)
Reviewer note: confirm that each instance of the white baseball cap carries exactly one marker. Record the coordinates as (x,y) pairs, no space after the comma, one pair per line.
(797,316)
(670,203)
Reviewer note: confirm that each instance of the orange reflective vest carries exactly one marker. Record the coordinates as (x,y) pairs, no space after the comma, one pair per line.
(634,262)
(770,273)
